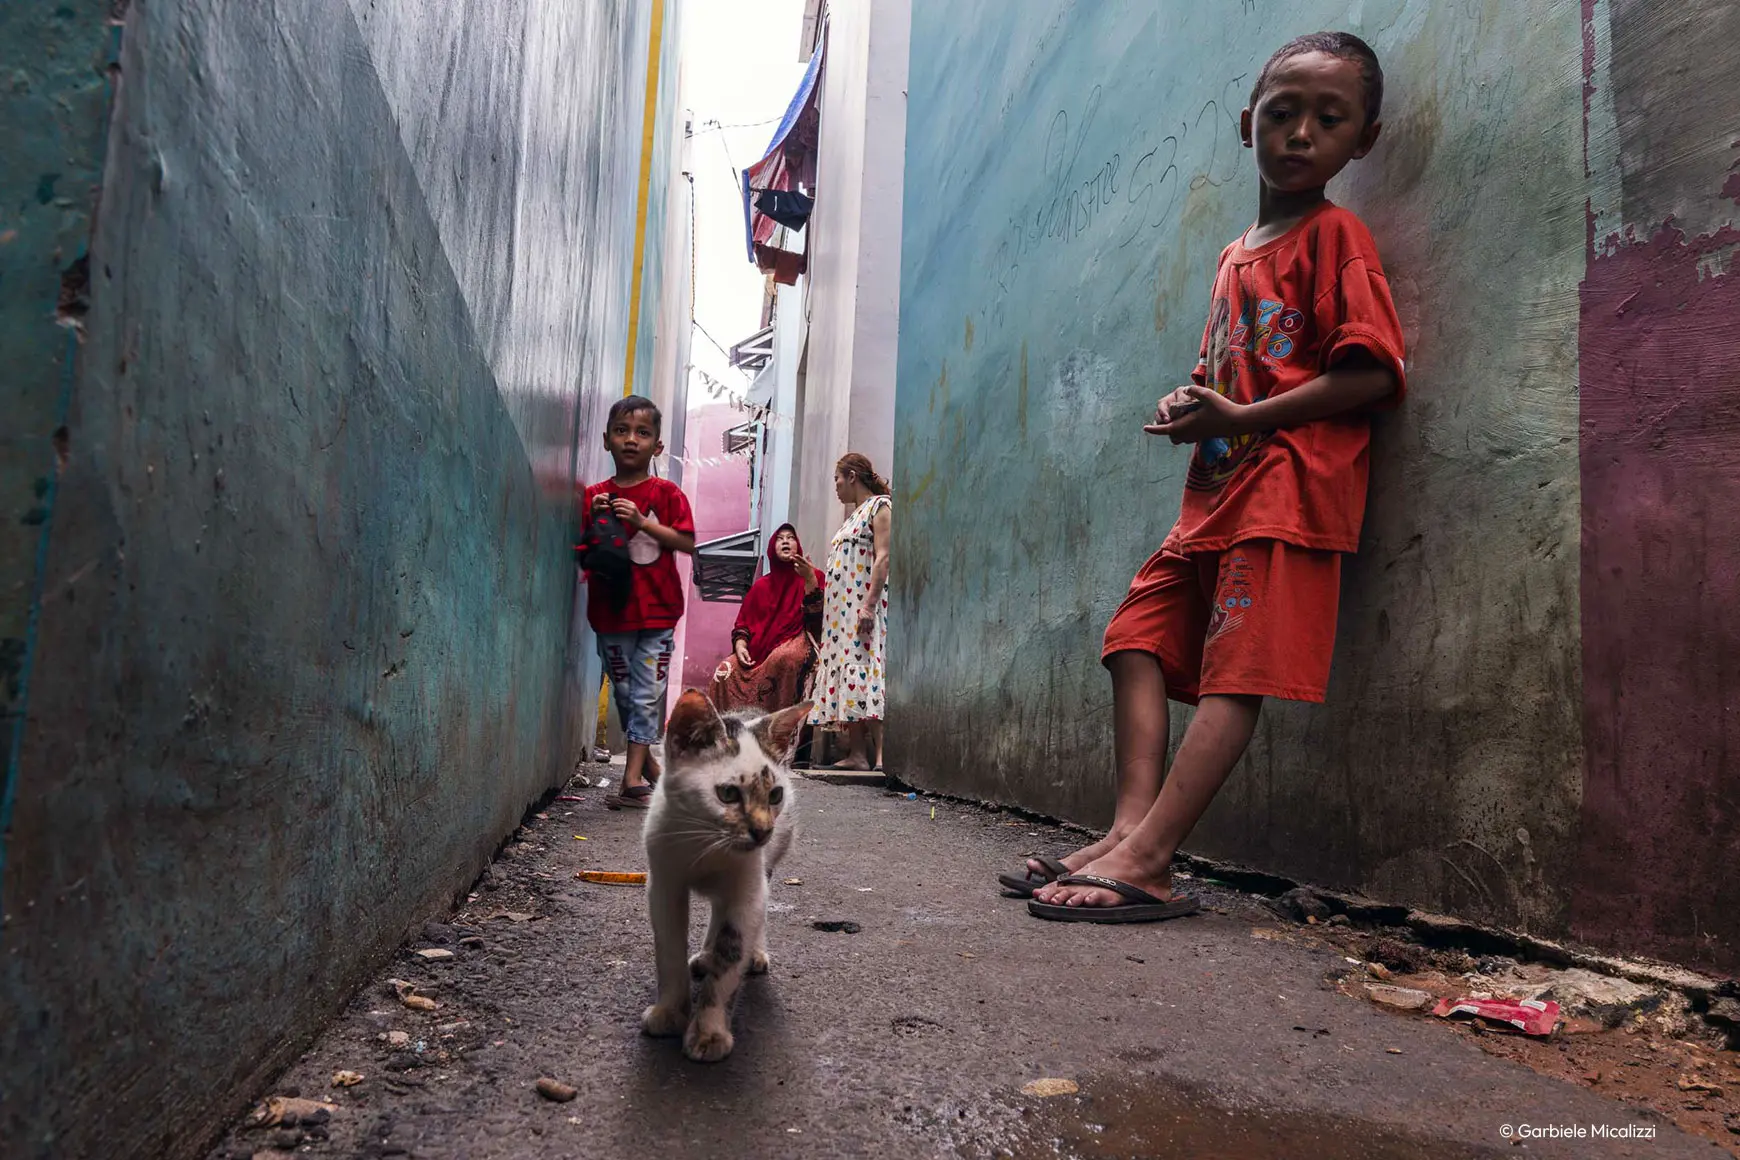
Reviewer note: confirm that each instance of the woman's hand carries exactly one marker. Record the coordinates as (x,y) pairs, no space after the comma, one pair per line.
(866,622)
(806,572)
(742,650)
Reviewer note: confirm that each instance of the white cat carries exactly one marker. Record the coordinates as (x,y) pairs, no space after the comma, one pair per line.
(721,818)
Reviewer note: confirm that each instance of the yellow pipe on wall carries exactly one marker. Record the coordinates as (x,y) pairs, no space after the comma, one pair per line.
(648,124)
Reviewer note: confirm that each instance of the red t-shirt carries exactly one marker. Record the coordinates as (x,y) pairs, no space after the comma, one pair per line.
(655,597)
(1283,314)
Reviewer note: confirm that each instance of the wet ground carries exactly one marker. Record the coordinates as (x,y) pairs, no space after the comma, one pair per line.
(950,1024)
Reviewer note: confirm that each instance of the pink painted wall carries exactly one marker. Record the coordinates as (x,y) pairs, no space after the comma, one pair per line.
(719,493)
(1660,459)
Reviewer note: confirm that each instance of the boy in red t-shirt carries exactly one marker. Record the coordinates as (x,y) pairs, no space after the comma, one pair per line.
(634,639)
(1239,603)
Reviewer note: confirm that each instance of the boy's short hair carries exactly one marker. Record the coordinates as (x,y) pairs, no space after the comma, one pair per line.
(1344,45)
(630,405)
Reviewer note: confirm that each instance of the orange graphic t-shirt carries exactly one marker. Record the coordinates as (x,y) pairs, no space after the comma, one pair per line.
(1282,314)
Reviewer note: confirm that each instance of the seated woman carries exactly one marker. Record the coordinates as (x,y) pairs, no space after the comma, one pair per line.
(772,649)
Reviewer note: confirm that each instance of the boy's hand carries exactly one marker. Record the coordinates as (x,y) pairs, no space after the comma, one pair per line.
(600,502)
(1174,402)
(1212,416)
(629,514)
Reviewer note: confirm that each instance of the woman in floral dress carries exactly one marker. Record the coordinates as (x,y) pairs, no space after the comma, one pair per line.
(850,690)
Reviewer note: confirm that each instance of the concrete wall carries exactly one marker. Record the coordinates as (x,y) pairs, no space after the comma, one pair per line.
(360,273)
(668,376)
(1072,173)
(669,305)
(853,283)
(1660,447)
(783,481)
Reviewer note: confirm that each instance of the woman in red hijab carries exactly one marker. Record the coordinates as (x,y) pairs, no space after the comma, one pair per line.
(771,646)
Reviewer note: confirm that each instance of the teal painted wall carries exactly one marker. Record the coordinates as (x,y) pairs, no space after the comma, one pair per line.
(1073,170)
(359,276)
(53,116)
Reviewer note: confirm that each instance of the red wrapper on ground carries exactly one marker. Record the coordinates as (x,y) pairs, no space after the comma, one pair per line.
(1529,1016)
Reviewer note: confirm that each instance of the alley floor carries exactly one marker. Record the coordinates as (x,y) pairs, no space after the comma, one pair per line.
(913,1035)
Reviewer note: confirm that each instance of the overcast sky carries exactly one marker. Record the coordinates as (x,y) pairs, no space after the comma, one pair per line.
(740,68)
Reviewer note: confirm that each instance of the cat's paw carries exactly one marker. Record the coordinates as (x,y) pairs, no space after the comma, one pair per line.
(707,1041)
(759,963)
(701,965)
(663,1022)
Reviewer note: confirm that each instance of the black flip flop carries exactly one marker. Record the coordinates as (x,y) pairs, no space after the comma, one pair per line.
(1024,884)
(1142,907)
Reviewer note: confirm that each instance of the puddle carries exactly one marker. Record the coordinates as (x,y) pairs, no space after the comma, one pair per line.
(1150,1117)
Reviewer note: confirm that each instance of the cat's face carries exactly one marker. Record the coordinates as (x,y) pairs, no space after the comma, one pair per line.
(729,772)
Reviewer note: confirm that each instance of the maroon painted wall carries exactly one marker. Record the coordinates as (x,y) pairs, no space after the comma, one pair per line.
(1660,465)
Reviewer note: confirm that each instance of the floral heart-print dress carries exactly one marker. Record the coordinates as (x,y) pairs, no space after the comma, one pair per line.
(849,673)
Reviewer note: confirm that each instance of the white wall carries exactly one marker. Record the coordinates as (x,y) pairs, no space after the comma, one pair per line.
(778,485)
(668,385)
(854,246)
(877,299)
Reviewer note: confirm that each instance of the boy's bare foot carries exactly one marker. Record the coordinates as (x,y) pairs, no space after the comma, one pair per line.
(1080,858)
(1120,864)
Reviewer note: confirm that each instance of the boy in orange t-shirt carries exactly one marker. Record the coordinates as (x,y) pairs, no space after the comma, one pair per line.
(1240,601)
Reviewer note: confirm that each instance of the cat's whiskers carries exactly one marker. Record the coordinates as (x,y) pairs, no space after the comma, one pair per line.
(719,843)
(695,832)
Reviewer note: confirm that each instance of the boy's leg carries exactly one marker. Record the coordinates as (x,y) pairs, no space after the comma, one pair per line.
(1141,732)
(616,650)
(1272,634)
(1212,745)
(633,775)
(1154,638)
(650,663)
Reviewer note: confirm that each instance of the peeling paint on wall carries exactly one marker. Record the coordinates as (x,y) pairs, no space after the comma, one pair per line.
(1660,439)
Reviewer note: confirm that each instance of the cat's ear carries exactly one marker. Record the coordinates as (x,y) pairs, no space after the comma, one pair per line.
(694,725)
(778,733)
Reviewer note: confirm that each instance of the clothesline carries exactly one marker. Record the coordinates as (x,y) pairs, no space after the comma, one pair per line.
(718,390)
(703,460)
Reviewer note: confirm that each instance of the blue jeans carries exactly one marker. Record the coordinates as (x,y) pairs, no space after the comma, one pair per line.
(639,665)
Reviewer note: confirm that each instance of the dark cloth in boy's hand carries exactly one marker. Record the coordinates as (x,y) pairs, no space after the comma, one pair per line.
(603,552)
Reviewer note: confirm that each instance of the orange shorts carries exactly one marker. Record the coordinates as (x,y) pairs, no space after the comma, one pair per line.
(1257,619)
